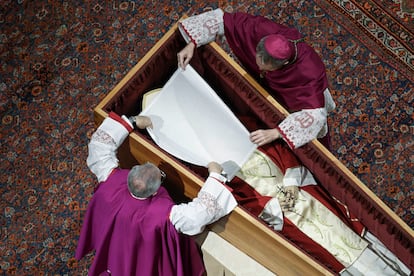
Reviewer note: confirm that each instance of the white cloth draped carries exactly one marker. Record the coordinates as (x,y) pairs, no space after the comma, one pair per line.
(192,123)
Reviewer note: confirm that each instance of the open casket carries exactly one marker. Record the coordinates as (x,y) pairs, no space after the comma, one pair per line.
(246,98)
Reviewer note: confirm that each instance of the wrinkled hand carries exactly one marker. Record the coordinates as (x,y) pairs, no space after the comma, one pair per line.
(214,167)
(185,55)
(292,192)
(143,122)
(287,202)
(264,136)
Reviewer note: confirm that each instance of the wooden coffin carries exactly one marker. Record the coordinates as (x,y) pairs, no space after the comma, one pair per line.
(246,98)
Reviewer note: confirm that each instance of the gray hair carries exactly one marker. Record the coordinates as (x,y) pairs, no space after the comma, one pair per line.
(266,57)
(144,180)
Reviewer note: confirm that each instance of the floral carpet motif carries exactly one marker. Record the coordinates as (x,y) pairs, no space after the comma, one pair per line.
(60,58)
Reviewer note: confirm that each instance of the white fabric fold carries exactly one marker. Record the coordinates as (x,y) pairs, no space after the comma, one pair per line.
(298,176)
(192,123)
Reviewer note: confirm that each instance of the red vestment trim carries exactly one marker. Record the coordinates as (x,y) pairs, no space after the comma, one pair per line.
(118,118)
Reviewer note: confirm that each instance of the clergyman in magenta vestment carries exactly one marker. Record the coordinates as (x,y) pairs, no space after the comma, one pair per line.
(135,237)
(299,85)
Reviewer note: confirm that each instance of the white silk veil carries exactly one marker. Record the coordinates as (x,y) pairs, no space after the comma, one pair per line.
(192,123)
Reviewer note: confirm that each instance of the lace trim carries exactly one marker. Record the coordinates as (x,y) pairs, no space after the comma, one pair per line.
(301,127)
(103,137)
(204,27)
(212,206)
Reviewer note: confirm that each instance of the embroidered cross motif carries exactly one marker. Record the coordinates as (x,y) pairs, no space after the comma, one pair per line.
(212,25)
(213,208)
(305,119)
(103,137)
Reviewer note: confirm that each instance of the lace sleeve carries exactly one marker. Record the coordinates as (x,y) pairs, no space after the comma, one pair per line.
(303,126)
(103,147)
(101,136)
(212,202)
(203,28)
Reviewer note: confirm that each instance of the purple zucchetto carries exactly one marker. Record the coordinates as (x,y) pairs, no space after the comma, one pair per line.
(279,47)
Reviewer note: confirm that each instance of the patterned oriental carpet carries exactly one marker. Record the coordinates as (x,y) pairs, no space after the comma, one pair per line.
(60,58)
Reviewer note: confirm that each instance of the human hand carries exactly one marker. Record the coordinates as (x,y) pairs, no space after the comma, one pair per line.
(185,55)
(214,167)
(290,194)
(261,137)
(143,122)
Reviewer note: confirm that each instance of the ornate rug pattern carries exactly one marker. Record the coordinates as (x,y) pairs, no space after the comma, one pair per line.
(60,58)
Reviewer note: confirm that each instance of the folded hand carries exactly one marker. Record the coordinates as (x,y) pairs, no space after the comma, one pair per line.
(288,200)
(214,167)
(143,122)
(264,136)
